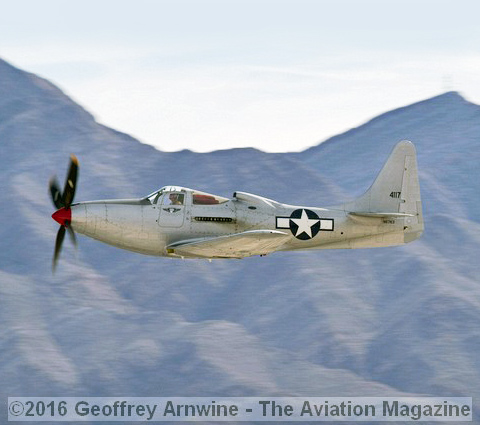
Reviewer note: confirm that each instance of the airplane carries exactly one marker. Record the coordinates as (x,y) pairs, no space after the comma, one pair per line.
(179,222)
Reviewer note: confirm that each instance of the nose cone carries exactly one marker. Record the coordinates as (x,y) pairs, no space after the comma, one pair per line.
(62,216)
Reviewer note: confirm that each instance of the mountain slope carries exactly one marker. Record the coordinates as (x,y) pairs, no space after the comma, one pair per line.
(364,322)
(446,130)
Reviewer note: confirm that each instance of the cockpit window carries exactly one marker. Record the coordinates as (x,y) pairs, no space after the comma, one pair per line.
(201,198)
(174,195)
(153,198)
(174,199)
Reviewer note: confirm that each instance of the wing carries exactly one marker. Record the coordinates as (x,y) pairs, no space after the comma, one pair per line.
(238,245)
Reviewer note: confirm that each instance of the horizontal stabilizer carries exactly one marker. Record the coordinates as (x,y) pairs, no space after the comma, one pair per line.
(238,245)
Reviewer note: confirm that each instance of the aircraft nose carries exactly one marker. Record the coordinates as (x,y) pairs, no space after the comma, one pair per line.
(62,216)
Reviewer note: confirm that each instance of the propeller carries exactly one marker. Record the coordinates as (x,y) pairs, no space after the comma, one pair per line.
(62,201)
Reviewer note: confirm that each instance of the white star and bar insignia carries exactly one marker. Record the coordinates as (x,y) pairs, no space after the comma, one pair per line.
(304,224)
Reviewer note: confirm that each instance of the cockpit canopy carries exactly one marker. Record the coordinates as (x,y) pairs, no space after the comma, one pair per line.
(181,195)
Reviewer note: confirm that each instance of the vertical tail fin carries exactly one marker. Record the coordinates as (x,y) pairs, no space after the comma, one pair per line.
(395,192)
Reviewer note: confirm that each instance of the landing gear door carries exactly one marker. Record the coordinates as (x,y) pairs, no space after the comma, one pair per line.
(172,209)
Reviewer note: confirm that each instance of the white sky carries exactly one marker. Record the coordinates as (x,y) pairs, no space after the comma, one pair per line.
(276,75)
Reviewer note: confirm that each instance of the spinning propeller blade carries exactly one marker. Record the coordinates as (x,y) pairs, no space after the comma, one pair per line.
(62,202)
(58,246)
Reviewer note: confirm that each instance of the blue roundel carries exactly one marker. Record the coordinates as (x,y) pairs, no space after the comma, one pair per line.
(304,224)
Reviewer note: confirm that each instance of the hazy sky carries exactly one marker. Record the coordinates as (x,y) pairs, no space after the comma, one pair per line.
(276,75)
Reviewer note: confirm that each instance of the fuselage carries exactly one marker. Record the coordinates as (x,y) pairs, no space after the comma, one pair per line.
(149,225)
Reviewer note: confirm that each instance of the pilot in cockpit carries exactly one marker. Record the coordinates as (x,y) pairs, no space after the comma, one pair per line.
(176,199)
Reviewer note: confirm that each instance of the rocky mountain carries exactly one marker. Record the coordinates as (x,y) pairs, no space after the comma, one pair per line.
(395,321)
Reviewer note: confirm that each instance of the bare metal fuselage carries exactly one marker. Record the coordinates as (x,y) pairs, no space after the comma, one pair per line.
(181,222)
(138,225)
